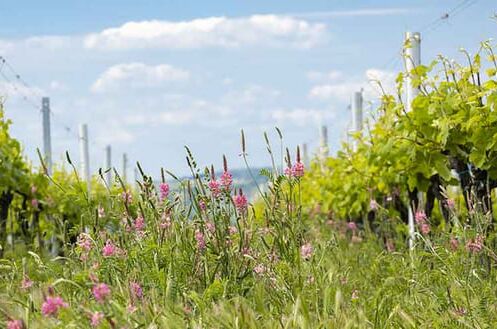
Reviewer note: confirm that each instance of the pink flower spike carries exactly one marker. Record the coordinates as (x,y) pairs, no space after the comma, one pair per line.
(373,205)
(476,245)
(202,205)
(15,324)
(101,291)
(35,203)
(166,222)
(101,211)
(52,305)
(199,236)
(214,188)
(454,244)
(211,227)
(164,191)
(84,241)
(260,269)
(26,283)
(420,217)
(127,197)
(96,318)
(288,172)
(424,228)
(232,230)
(352,226)
(451,203)
(139,224)
(109,249)
(136,290)
(306,251)
(240,201)
(298,170)
(226,181)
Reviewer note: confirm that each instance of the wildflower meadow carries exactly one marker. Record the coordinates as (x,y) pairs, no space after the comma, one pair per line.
(394,230)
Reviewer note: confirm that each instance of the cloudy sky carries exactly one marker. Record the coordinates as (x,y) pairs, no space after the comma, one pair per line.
(149,77)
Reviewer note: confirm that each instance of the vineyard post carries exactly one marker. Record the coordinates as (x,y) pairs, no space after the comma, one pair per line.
(136,176)
(108,165)
(305,155)
(125,167)
(357,115)
(84,154)
(412,59)
(324,142)
(47,142)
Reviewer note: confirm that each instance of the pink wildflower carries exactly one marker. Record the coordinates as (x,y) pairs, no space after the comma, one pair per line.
(52,305)
(476,245)
(298,170)
(454,244)
(214,187)
(26,283)
(288,172)
(166,222)
(390,245)
(240,201)
(96,318)
(232,230)
(306,251)
(199,236)
(210,226)
(226,180)
(101,291)
(127,197)
(424,228)
(260,269)
(136,290)
(139,223)
(164,191)
(352,226)
(34,203)
(202,205)
(420,217)
(451,203)
(246,251)
(101,211)
(109,249)
(84,241)
(373,205)
(131,308)
(15,324)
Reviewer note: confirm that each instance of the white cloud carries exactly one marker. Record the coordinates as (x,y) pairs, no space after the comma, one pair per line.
(5,46)
(355,13)
(343,91)
(137,75)
(339,91)
(268,30)
(114,134)
(19,90)
(250,95)
(51,42)
(300,117)
(56,85)
(324,76)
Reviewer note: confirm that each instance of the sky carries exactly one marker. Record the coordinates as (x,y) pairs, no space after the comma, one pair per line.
(149,77)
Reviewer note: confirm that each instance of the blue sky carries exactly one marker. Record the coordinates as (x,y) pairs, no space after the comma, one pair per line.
(151,76)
